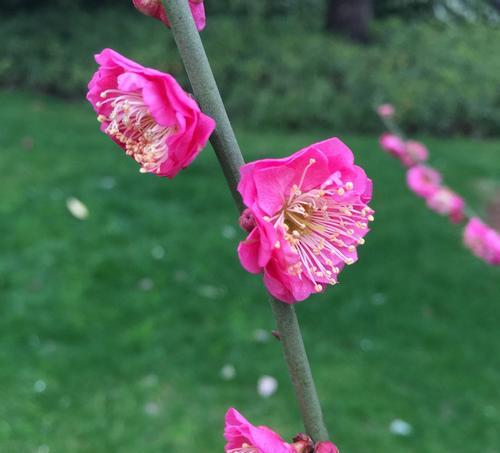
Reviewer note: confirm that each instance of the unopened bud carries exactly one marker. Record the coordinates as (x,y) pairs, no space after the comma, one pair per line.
(326,447)
(247,220)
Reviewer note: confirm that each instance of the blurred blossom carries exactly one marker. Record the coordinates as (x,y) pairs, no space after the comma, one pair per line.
(446,202)
(39,386)
(107,183)
(366,344)
(228,232)
(489,411)
(267,386)
(180,276)
(261,335)
(392,144)
(483,241)
(423,181)
(228,372)
(77,208)
(386,110)
(415,152)
(400,427)
(152,409)
(210,292)
(157,252)
(146,284)
(150,380)
(378,299)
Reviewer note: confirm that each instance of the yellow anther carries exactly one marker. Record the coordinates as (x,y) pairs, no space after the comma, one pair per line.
(277,245)
(318,288)
(341,191)
(371,218)
(349,185)
(361,241)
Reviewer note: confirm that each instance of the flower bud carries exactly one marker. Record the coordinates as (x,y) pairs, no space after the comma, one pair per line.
(325,447)
(247,220)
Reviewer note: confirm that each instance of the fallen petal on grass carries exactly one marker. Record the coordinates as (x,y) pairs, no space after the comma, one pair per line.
(77,208)
(267,386)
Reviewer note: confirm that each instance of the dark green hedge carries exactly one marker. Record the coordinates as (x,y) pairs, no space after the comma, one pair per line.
(281,72)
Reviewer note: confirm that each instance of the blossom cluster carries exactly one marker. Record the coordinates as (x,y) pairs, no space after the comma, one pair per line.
(427,183)
(243,437)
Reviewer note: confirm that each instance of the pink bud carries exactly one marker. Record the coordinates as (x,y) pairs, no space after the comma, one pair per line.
(247,220)
(386,110)
(154,8)
(326,447)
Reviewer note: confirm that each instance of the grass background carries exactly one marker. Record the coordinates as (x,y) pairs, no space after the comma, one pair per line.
(106,347)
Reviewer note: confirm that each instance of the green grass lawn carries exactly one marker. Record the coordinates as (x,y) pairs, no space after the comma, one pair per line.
(114,329)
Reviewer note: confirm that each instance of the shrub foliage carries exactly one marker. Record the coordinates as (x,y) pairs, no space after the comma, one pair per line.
(281,72)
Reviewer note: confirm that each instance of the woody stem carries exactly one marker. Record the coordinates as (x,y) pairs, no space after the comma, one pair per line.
(230,158)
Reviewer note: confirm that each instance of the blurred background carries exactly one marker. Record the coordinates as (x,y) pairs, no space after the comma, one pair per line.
(127,324)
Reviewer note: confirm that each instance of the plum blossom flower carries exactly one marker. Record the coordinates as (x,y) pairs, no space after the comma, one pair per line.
(415,152)
(386,110)
(483,241)
(423,180)
(392,144)
(154,8)
(242,437)
(310,212)
(325,447)
(446,202)
(148,114)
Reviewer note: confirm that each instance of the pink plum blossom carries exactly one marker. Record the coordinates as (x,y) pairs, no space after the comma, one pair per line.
(386,110)
(148,114)
(415,152)
(446,202)
(310,212)
(423,180)
(392,144)
(483,241)
(155,8)
(325,447)
(243,437)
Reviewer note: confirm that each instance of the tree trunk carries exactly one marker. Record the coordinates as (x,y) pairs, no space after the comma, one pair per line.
(350,18)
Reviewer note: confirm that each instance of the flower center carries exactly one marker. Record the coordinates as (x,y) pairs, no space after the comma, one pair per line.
(131,123)
(322,229)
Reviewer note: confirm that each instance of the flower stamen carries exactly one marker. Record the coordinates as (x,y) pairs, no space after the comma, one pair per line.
(130,122)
